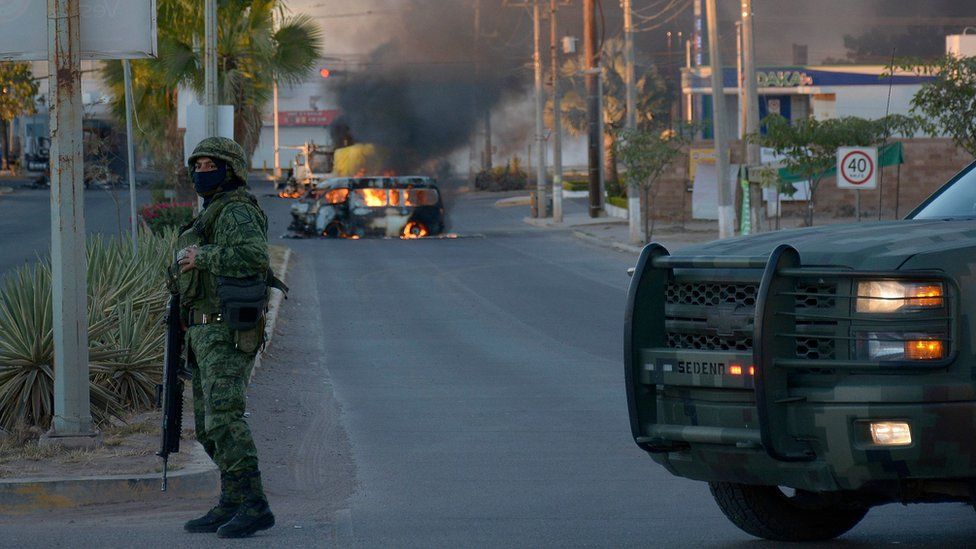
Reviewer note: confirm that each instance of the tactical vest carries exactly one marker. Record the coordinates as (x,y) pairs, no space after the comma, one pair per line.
(198,288)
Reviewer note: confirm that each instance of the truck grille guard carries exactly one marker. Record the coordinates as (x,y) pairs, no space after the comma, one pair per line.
(774,350)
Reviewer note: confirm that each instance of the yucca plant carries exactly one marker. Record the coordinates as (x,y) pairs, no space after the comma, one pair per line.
(27,352)
(133,372)
(125,307)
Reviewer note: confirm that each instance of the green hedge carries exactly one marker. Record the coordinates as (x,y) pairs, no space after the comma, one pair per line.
(576,185)
(618,201)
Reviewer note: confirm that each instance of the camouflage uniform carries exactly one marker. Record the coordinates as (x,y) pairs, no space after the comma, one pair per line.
(231,235)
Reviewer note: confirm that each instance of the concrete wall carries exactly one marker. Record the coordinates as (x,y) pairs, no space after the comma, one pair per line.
(929,163)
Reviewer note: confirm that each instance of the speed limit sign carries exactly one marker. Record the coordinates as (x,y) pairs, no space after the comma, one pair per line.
(857,168)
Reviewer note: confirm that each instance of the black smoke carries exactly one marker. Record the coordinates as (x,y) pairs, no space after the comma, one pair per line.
(422,94)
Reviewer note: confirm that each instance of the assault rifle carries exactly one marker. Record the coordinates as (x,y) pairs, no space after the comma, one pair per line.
(173,375)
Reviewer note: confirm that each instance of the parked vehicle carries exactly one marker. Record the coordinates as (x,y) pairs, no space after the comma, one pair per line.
(812,374)
(355,207)
(313,164)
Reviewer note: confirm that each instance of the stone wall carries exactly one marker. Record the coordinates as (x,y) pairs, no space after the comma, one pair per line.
(929,163)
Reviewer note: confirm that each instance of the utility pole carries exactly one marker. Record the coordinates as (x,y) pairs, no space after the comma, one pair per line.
(726,214)
(274,94)
(210,66)
(593,113)
(72,422)
(479,104)
(756,212)
(738,81)
(557,122)
(633,191)
(540,105)
(130,151)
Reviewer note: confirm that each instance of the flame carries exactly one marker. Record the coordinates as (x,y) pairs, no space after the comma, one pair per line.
(373,198)
(414,230)
(296,193)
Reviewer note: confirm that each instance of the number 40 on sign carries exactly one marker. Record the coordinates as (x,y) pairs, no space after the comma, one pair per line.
(857,168)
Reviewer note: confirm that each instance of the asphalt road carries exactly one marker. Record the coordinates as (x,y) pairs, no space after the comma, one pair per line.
(25,219)
(455,393)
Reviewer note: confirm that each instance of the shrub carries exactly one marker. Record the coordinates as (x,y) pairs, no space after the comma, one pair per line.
(508,178)
(165,215)
(126,304)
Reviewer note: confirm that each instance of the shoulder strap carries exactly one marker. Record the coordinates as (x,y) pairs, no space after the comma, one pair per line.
(274,282)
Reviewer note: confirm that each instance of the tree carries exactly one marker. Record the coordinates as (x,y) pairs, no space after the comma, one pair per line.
(251,55)
(810,145)
(653,103)
(18,88)
(947,104)
(646,154)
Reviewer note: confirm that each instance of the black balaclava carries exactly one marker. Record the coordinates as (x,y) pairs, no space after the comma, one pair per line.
(208,184)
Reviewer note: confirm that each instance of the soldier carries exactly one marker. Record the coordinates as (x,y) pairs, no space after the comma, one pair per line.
(225,246)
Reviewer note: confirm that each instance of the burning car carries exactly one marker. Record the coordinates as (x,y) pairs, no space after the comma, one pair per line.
(357,207)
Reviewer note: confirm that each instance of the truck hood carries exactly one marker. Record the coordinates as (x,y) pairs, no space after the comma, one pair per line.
(861,246)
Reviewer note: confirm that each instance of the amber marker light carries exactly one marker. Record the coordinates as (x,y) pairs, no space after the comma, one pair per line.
(924,350)
(752,370)
(891,433)
(928,295)
(735,370)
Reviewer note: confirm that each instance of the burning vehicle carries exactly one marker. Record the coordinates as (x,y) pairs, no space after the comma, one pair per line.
(359,207)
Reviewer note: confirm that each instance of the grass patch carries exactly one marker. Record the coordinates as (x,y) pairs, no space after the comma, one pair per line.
(576,185)
(618,201)
(277,256)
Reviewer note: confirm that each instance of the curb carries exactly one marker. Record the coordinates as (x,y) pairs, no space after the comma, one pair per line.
(273,307)
(199,479)
(6,190)
(513,201)
(619,246)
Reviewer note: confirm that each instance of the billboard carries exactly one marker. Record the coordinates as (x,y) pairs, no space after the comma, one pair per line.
(110,29)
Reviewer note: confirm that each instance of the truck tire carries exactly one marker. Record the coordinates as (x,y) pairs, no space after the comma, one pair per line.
(766,512)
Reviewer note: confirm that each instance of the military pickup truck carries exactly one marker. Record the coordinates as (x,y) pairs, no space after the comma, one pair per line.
(809,375)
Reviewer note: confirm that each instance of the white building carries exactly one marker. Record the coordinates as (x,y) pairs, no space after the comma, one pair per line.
(800,92)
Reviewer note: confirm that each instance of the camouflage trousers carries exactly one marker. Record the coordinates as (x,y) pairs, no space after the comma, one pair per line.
(219,386)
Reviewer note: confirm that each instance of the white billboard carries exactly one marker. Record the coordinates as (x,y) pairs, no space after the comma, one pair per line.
(110,29)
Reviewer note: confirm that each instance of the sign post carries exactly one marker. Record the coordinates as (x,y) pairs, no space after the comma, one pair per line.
(857,169)
(63,32)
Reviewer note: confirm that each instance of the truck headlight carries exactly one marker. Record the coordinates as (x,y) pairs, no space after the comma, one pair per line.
(900,346)
(891,296)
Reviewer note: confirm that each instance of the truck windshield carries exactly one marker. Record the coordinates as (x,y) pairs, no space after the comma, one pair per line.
(955,199)
(320,162)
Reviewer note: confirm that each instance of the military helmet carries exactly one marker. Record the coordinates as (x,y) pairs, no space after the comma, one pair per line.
(225,149)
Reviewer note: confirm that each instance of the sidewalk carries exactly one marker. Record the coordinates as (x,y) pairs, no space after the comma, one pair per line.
(615,233)
(197,477)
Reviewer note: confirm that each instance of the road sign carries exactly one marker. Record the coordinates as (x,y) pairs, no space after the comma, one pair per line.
(110,29)
(857,168)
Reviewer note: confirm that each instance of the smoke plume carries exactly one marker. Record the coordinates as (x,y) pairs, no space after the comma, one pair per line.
(422,94)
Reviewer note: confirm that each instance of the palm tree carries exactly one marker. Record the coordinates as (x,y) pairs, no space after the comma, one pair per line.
(252,54)
(653,103)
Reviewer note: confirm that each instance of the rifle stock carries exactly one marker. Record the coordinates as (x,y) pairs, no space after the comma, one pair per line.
(172,389)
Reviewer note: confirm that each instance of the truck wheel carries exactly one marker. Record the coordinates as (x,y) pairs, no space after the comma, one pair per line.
(767,512)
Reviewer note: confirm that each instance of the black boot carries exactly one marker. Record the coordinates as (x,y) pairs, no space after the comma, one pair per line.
(230,501)
(254,513)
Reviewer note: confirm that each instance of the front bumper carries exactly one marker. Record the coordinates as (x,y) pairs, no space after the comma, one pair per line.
(761,426)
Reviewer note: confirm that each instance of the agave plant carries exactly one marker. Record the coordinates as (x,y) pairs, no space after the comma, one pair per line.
(27,352)
(126,300)
(134,371)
